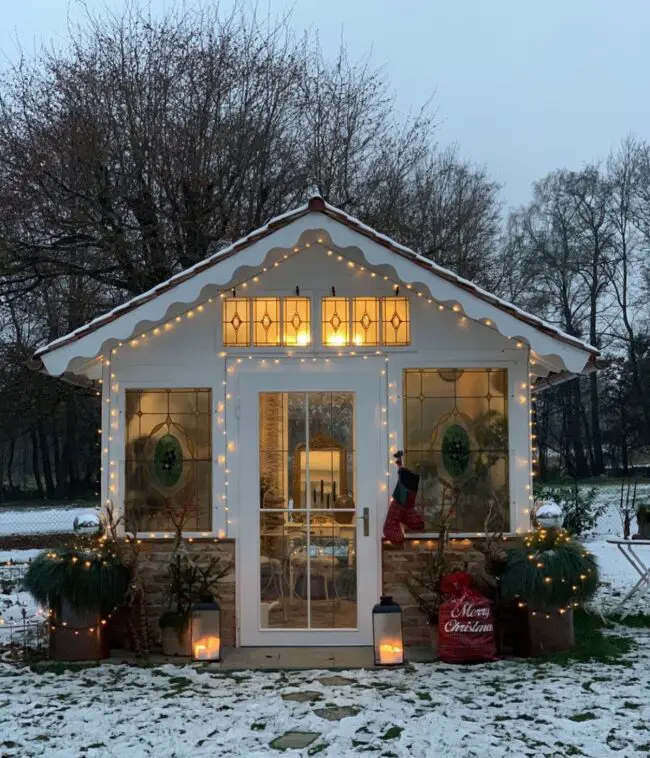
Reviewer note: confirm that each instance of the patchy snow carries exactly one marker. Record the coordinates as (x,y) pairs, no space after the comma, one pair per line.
(508,708)
(18,556)
(500,709)
(56,520)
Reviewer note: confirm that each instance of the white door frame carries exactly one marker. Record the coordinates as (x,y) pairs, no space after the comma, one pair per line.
(367,380)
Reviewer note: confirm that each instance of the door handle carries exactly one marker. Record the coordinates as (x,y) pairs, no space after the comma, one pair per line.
(366,522)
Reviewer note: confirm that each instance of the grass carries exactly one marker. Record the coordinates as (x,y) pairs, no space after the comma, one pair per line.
(636,621)
(586,716)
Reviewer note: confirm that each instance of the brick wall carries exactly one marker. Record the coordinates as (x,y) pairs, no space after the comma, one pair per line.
(154,561)
(398,561)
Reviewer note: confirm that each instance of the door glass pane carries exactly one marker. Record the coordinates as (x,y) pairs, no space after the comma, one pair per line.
(333,572)
(330,445)
(307,510)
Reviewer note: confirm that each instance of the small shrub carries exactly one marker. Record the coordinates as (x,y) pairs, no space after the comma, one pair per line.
(581,511)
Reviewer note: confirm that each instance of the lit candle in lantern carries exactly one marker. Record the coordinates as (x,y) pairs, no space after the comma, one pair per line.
(390,653)
(207,649)
(387,633)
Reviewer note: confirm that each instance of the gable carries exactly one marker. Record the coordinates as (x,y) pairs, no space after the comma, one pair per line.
(319,229)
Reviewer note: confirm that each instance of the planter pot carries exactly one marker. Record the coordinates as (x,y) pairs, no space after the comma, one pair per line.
(176,642)
(75,641)
(116,632)
(550,635)
(643,522)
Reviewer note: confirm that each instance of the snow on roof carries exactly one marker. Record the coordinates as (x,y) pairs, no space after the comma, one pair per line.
(316,204)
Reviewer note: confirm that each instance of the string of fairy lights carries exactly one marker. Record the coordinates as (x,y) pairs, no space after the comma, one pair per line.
(195,310)
(109,432)
(559,535)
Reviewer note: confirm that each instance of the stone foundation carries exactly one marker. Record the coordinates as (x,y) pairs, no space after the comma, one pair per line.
(397,563)
(154,562)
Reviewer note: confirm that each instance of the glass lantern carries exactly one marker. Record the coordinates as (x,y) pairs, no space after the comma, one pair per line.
(387,632)
(206,631)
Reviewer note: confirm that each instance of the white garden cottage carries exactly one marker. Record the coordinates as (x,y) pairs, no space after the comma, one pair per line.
(260,395)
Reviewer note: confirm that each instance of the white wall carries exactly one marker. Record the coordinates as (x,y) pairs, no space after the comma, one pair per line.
(190,354)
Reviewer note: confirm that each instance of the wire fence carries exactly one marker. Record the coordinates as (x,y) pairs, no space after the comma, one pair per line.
(23,624)
(25,525)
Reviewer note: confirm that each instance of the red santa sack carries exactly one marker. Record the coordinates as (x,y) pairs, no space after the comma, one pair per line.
(465,622)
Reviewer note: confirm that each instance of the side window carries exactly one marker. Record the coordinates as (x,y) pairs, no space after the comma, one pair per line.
(168,460)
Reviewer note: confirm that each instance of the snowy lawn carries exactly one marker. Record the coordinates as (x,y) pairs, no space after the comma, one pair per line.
(500,709)
(23,519)
(595,708)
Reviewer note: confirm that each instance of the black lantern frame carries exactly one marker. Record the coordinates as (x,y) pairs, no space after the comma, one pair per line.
(387,636)
(205,631)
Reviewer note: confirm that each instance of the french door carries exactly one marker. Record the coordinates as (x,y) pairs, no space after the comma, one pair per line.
(309,484)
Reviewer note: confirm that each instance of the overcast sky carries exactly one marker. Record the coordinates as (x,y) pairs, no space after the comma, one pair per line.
(522,86)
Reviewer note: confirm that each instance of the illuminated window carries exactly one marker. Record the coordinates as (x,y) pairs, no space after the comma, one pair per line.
(236,322)
(266,321)
(168,460)
(365,321)
(335,321)
(456,438)
(396,322)
(297,321)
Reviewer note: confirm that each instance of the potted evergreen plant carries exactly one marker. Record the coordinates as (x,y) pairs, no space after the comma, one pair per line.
(81,588)
(189,582)
(549,575)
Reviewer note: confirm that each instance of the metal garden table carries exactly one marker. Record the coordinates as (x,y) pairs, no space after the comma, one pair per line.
(627,548)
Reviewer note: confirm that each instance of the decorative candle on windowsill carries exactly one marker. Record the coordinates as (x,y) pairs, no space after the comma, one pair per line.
(387,633)
(206,631)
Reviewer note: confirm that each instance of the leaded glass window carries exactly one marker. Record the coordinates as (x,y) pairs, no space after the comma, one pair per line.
(456,438)
(297,321)
(266,321)
(396,325)
(335,321)
(236,322)
(365,321)
(168,460)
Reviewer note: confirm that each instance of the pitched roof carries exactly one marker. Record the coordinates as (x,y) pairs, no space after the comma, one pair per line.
(316,205)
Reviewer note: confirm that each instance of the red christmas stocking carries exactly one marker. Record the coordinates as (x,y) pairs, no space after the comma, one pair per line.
(393,524)
(412,520)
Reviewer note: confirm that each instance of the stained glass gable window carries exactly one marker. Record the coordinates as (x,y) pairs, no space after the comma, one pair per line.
(266,321)
(236,321)
(297,321)
(335,321)
(365,321)
(456,438)
(168,460)
(396,321)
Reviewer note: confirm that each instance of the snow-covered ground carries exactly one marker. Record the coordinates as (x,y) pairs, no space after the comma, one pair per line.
(508,708)
(617,575)
(488,711)
(56,520)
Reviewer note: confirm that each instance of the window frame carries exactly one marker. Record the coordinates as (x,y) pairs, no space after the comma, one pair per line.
(209,378)
(282,345)
(518,429)
(352,322)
